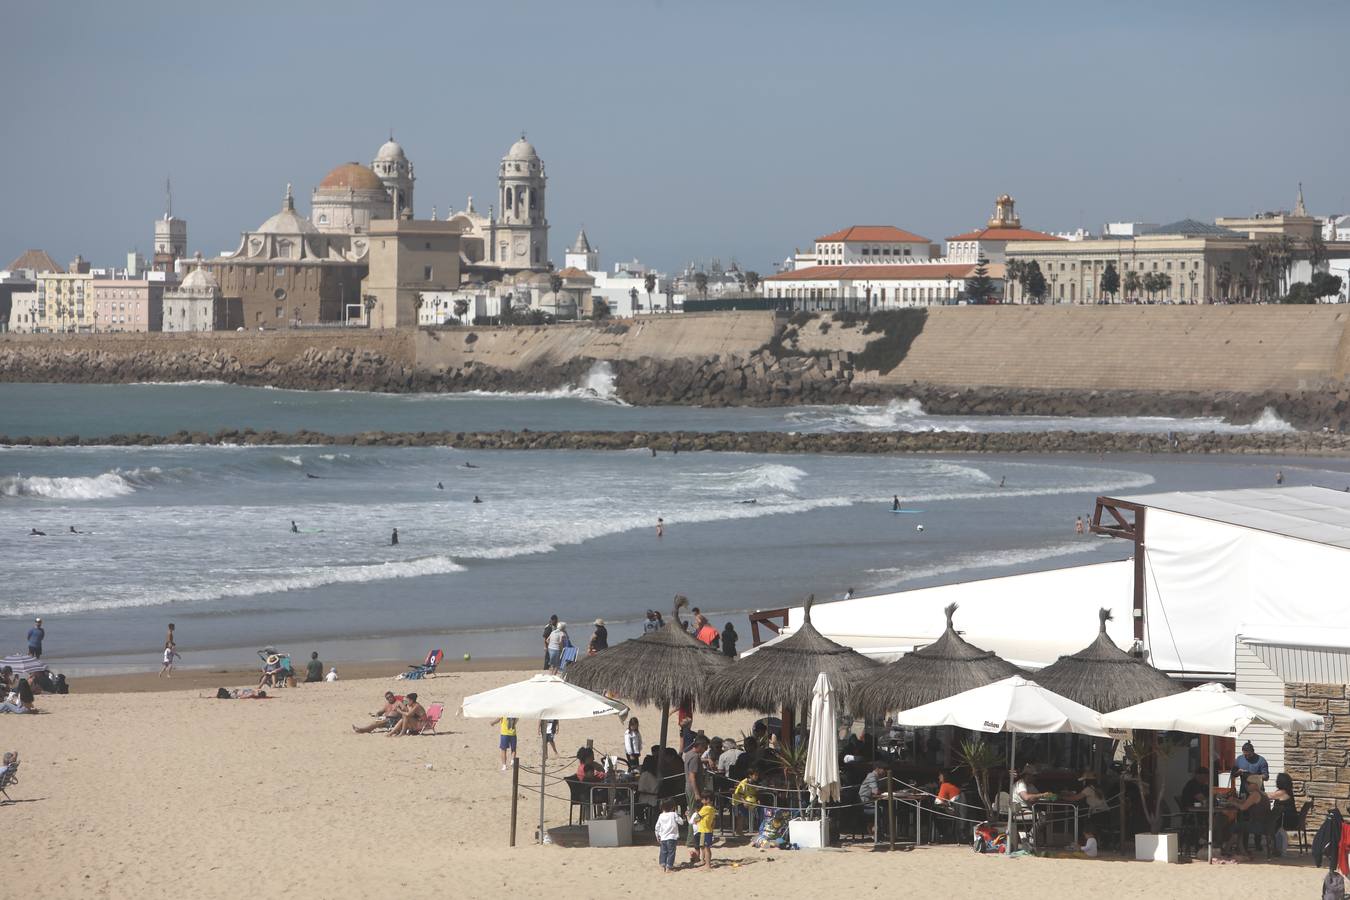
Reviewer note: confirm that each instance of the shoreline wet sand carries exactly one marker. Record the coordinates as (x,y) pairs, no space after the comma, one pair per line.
(210,678)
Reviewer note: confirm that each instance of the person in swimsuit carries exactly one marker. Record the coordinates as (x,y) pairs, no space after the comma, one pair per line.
(660,527)
(388,716)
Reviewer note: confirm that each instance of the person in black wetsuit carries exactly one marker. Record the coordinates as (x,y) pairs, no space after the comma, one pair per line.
(393,538)
(295,529)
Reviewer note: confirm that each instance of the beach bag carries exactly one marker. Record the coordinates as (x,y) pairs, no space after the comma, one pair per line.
(1333,887)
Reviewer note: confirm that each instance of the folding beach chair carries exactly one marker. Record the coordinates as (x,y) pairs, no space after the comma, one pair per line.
(569,655)
(434,711)
(428,667)
(9,776)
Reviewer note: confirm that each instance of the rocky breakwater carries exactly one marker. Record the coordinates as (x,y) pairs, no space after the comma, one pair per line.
(1046,442)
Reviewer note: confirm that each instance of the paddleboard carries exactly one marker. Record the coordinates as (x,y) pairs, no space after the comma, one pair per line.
(906,512)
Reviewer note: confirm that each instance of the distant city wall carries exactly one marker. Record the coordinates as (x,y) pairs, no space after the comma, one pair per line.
(1161,360)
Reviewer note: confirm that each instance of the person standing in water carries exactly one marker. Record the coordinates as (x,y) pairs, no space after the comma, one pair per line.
(295,529)
(1279,477)
(170,653)
(476,499)
(660,527)
(895,502)
(440,486)
(393,538)
(1078,526)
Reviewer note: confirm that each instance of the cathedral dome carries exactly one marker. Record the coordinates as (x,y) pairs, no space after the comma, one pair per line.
(199,279)
(390,150)
(288,221)
(522,150)
(354,176)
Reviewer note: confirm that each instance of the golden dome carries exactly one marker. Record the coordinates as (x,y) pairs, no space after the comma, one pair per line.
(352,175)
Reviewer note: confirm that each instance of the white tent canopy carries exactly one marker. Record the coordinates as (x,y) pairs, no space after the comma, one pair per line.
(1007,615)
(1220,562)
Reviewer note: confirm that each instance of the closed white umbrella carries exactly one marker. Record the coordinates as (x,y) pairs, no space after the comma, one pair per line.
(1014,705)
(822,750)
(1214,710)
(540,697)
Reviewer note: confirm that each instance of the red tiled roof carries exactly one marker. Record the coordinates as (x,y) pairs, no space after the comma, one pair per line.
(574,273)
(874,233)
(1005,234)
(912,272)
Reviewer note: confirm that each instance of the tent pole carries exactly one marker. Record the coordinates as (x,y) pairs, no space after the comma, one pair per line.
(515,795)
(661,757)
(1012,786)
(1211,776)
(543,768)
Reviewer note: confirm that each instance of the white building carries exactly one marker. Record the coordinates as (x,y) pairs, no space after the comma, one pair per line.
(23,312)
(617,288)
(1336,228)
(991,241)
(863,245)
(863,288)
(195,304)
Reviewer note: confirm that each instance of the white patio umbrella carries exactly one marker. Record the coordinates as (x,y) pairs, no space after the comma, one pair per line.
(540,697)
(1214,710)
(822,749)
(1014,705)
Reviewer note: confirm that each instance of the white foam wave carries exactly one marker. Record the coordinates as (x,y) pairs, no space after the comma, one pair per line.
(597,385)
(259,583)
(1269,420)
(894,576)
(294,460)
(766,477)
(93,487)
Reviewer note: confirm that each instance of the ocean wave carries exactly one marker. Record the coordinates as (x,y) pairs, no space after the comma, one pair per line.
(596,386)
(259,583)
(104,486)
(766,477)
(969,562)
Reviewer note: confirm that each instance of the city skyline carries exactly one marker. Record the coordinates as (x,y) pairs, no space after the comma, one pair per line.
(712,133)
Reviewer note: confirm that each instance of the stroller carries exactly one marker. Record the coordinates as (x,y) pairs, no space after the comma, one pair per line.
(428,667)
(276,664)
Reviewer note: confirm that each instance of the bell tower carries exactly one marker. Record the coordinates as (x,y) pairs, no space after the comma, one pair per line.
(520,238)
(170,235)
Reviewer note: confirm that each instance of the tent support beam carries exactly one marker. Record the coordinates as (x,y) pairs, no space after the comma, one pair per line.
(1130,527)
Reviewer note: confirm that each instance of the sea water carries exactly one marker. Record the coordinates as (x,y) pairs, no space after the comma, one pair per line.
(201,536)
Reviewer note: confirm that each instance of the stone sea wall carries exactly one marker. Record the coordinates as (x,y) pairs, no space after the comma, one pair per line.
(1319,761)
(1233,362)
(1299,443)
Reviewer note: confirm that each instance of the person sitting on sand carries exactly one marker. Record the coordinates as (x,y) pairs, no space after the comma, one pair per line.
(273,673)
(313,669)
(388,716)
(414,717)
(20,699)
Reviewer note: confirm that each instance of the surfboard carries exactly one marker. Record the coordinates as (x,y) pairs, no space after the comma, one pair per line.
(906,512)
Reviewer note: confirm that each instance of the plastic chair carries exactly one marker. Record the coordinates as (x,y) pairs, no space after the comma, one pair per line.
(1303,826)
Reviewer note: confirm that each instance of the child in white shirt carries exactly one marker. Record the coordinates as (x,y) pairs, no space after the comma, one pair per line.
(668,833)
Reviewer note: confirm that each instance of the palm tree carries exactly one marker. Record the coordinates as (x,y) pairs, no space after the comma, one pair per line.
(701,284)
(461,309)
(1256,269)
(1285,250)
(649,284)
(1132,283)
(1223,279)
(633,295)
(1315,248)
(751,281)
(1012,274)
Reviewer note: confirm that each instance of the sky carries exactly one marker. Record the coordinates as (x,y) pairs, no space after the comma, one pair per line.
(674,131)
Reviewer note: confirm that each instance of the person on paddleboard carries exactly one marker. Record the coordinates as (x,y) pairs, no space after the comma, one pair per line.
(895,503)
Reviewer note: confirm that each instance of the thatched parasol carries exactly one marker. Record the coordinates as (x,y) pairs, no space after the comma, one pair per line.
(1104,677)
(948,666)
(782,675)
(660,668)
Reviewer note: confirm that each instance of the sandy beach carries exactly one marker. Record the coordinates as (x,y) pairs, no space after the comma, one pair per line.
(167,794)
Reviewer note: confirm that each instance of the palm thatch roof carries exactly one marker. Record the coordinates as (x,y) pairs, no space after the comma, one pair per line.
(783,674)
(948,666)
(1104,677)
(664,666)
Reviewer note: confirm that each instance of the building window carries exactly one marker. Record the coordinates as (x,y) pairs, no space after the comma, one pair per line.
(426,273)
(428,245)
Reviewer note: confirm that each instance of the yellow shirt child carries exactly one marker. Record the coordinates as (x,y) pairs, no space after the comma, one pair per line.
(706,817)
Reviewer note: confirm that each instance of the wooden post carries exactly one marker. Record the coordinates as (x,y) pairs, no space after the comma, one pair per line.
(1139,574)
(515,795)
(890,806)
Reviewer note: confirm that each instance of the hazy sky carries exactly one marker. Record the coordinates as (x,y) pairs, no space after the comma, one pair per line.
(675,131)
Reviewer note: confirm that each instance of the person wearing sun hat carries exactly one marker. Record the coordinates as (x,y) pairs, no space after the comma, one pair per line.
(35,637)
(600,640)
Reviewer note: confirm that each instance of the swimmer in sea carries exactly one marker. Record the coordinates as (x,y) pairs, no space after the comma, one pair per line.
(440,486)
(74,530)
(36,533)
(311,475)
(393,539)
(295,529)
(469,465)
(475,499)
(751,500)
(1002,480)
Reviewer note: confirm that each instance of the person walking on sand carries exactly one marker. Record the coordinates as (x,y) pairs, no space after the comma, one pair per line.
(667,831)
(166,670)
(548,632)
(548,728)
(36,635)
(393,538)
(660,527)
(506,742)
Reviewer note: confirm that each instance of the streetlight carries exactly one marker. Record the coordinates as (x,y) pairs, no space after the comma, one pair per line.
(1191,275)
(368,301)
(1054,283)
(949,287)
